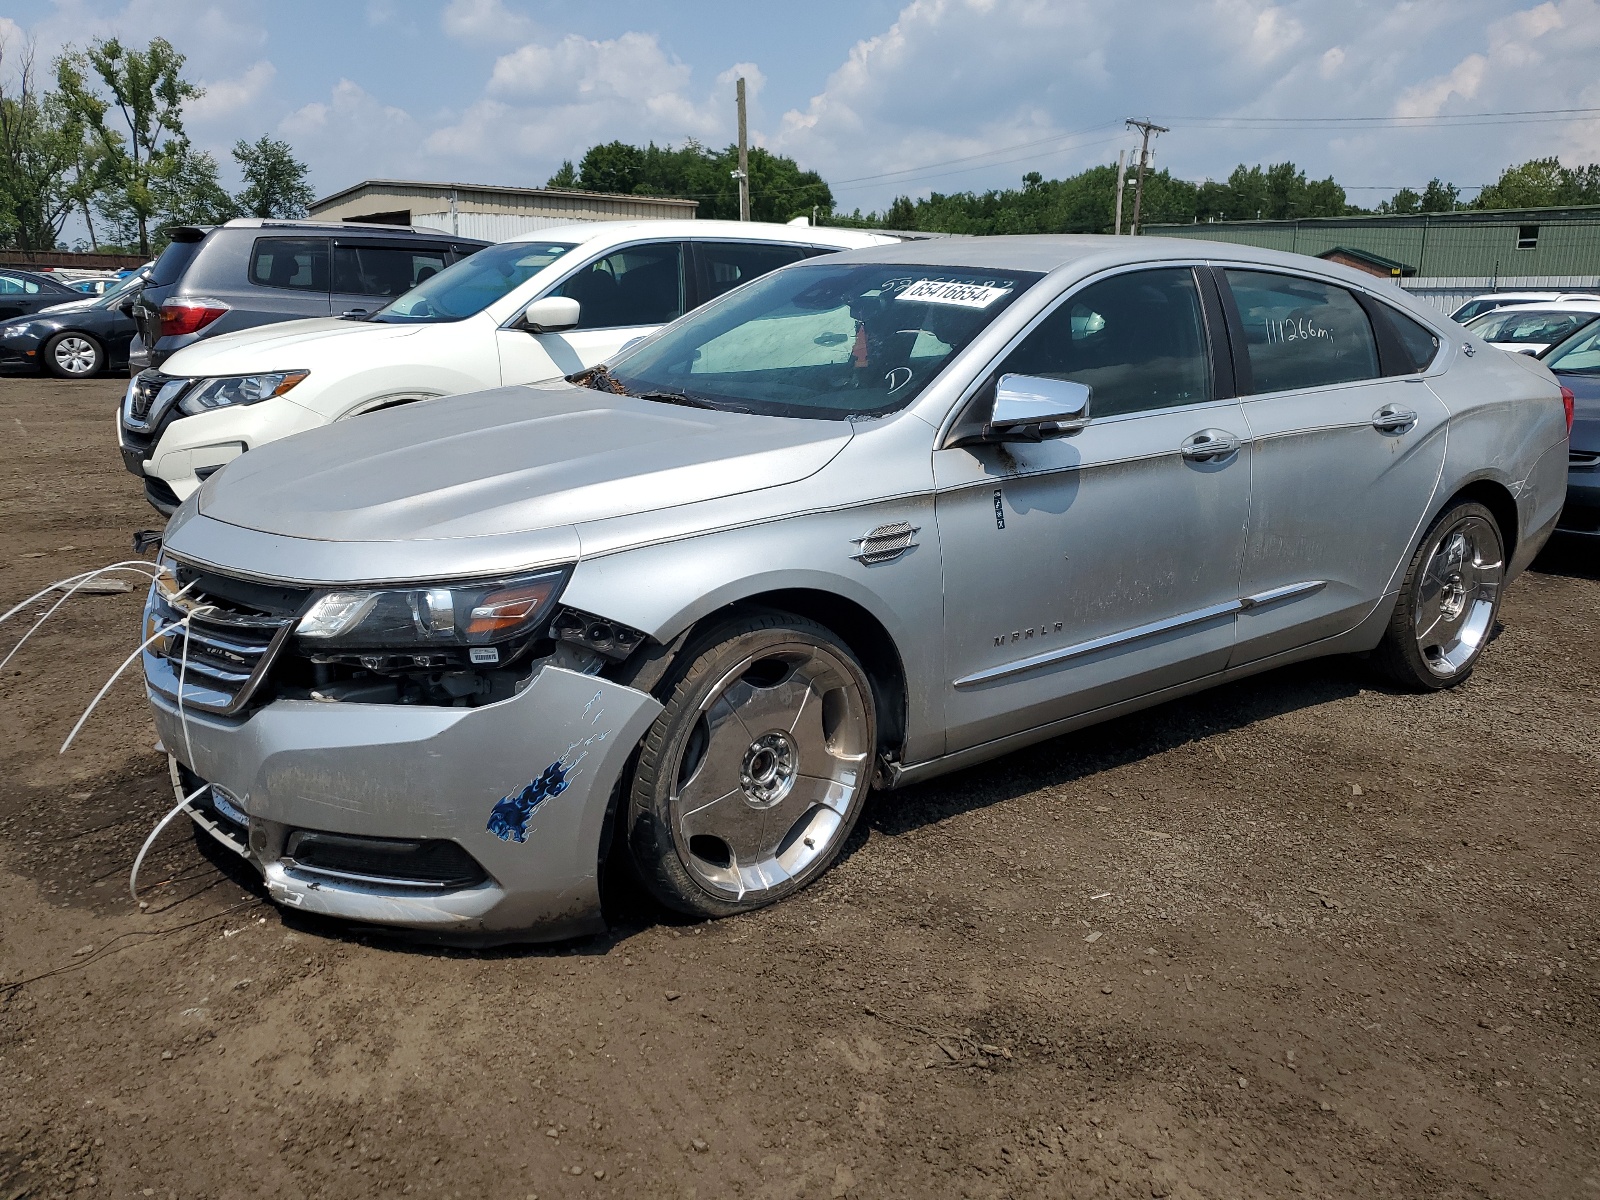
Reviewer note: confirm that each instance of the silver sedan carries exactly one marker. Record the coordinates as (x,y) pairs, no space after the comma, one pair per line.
(863,521)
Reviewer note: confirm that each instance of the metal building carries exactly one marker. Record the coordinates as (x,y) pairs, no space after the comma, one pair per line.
(486,211)
(1444,257)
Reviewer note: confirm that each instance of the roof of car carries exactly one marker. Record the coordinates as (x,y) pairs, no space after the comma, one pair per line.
(764,231)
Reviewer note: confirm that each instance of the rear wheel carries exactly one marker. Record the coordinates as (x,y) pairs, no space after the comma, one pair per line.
(753,776)
(1448,601)
(73,355)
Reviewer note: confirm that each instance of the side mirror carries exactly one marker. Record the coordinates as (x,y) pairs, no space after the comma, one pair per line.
(1031,408)
(549,314)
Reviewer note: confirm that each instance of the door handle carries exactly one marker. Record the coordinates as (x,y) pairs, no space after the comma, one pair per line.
(1210,445)
(1391,418)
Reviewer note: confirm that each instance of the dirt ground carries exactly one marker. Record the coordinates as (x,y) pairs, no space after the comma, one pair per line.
(1298,936)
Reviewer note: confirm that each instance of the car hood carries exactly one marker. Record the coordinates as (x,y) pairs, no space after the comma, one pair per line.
(509,461)
(70,305)
(283,345)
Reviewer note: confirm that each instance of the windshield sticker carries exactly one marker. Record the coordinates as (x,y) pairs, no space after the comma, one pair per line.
(964,295)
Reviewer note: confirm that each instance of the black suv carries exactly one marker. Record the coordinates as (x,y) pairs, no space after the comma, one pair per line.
(217,279)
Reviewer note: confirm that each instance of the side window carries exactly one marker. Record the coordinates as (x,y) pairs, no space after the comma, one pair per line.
(300,264)
(1418,345)
(1138,340)
(10,286)
(384,270)
(1302,333)
(642,285)
(728,264)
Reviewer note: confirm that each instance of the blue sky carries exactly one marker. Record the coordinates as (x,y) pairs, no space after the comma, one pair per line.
(882,97)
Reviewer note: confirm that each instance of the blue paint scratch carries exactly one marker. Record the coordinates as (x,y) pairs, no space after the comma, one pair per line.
(508,820)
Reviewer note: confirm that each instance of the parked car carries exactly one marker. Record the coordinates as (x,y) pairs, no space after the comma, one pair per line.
(1479,305)
(870,518)
(96,286)
(1533,328)
(212,280)
(77,339)
(532,308)
(23,292)
(1575,363)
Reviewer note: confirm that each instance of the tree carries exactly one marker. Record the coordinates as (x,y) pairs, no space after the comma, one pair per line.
(1439,196)
(1542,183)
(275,181)
(42,159)
(1403,202)
(148,92)
(779,189)
(565,177)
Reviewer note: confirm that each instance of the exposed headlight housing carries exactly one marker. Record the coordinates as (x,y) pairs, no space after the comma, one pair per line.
(453,615)
(239,389)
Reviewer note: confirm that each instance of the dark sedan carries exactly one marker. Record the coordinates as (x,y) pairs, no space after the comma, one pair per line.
(77,339)
(1576,363)
(23,292)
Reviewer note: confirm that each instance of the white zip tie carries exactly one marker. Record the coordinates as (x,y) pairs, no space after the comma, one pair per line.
(143,646)
(80,578)
(50,612)
(180,806)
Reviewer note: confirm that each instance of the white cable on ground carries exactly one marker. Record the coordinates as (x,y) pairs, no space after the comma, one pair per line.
(16,608)
(143,646)
(81,580)
(180,806)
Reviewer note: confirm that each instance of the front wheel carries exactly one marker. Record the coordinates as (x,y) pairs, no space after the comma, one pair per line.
(73,356)
(753,776)
(1448,601)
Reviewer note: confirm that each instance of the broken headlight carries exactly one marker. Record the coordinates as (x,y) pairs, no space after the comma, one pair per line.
(447,615)
(239,389)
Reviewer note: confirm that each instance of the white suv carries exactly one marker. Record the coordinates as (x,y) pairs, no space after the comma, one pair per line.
(533,308)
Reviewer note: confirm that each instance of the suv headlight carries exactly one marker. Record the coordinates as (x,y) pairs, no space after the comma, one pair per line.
(470,615)
(239,389)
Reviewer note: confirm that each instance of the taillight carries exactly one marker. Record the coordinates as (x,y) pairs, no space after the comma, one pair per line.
(179,317)
(1568,401)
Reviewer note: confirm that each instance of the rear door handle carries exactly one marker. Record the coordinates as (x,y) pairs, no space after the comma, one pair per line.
(1391,418)
(1210,445)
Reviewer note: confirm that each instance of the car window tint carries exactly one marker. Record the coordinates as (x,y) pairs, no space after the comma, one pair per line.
(300,264)
(1138,340)
(728,264)
(1302,333)
(1418,344)
(383,270)
(642,285)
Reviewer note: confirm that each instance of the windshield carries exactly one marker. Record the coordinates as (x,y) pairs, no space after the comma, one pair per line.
(821,340)
(114,294)
(466,288)
(1579,354)
(1531,328)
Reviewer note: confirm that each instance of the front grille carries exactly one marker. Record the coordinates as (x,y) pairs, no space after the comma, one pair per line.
(382,862)
(222,637)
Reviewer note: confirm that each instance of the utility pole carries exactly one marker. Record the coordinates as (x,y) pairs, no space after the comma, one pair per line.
(1122,178)
(1146,128)
(743,173)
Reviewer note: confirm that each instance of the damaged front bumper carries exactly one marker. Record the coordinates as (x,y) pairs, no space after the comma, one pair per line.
(521,786)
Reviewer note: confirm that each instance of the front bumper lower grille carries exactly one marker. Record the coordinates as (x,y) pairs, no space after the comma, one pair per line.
(381,862)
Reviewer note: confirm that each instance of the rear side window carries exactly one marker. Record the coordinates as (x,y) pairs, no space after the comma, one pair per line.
(11,286)
(384,270)
(728,264)
(298,264)
(1405,346)
(642,285)
(1302,333)
(1138,340)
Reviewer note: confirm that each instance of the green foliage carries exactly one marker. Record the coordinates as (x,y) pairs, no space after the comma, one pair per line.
(779,189)
(43,156)
(147,92)
(275,181)
(1542,183)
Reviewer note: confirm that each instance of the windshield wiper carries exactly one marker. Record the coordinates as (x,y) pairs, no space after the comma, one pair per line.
(677,398)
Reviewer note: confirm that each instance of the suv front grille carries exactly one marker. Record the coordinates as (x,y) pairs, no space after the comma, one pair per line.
(221,649)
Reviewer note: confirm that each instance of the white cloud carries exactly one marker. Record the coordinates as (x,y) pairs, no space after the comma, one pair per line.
(485,21)
(225,97)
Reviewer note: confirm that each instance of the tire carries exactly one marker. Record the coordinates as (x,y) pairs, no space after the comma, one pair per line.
(751,779)
(73,355)
(1448,602)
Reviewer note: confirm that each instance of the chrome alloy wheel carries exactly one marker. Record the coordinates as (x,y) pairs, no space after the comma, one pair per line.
(777,754)
(74,355)
(1456,598)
